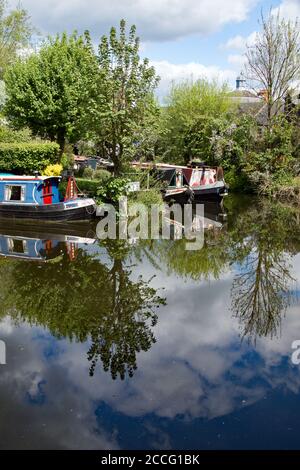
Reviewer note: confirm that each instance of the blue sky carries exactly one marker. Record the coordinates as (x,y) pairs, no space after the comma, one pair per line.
(206,49)
(182,38)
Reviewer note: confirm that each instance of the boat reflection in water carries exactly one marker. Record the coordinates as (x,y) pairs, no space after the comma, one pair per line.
(213,219)
(40,243)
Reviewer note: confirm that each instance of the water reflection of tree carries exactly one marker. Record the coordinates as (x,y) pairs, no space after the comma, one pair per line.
(126,331)
(98,299)
(260,240)
(264,237)
(260,293)
(86,299)
(205,264)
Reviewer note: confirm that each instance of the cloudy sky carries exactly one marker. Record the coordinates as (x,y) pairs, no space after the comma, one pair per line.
(182,38)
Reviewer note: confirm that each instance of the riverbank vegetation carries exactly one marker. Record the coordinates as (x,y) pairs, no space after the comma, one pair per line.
(69,92)
(27,157)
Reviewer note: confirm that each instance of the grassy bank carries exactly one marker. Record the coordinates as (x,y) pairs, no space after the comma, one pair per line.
(287,191)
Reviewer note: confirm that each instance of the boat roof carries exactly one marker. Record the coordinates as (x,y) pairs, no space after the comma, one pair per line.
(166,166)
(11,177)
(159,166)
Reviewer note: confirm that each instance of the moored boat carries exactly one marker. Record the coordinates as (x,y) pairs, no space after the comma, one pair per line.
(187,184)
(39,198)
(194,184)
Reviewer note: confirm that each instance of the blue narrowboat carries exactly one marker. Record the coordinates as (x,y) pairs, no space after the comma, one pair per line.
(39,198)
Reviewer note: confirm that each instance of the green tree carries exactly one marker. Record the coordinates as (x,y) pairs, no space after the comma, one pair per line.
(125,101)
(50,92)
(193,111)
(15,34)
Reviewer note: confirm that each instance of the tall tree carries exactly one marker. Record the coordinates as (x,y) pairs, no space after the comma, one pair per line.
(51,91)
(273,62)
(193,111)
(15,34)
(125,101)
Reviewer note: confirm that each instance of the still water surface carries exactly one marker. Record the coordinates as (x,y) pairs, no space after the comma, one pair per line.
(112,345)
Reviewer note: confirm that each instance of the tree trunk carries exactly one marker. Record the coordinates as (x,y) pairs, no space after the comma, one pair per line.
(270,114)
(117,167)
(61,140)
(117,159)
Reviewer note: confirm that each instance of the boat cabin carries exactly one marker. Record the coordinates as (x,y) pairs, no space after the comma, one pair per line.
(28,248)
(40,190)
(178,177)
(191,183)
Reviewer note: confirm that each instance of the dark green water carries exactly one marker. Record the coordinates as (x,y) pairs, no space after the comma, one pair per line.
(116,345)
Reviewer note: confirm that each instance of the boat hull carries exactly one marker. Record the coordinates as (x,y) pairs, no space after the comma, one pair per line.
(213,193)
(210,194)
(180,196)
(76,210)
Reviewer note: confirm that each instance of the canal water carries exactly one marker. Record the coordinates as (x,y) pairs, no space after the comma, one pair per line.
(145,345)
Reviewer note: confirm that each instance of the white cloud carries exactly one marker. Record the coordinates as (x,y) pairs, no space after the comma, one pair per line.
(192,70)
(236,59)
(236,42)
(155,19)
(289,9)
(240,42)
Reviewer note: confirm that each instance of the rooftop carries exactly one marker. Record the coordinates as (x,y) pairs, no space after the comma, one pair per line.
(10,177)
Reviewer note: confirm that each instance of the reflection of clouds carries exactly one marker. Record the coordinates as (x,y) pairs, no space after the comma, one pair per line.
(6,326)
(197,369)
(194,368)
(63,419)
(158,438)
(196,330)
(36,392)
(184,375)
(296,268)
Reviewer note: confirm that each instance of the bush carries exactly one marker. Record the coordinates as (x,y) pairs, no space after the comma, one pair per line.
(27,157)
(89,187)
(238,182)
(9,135)
(67,161)
(112,190)
(88,173)
(53,170)
(102,175)
(149,198)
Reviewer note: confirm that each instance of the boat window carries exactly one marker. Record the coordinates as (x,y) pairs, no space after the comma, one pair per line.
(14,193)
(17,246)
(173,181)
